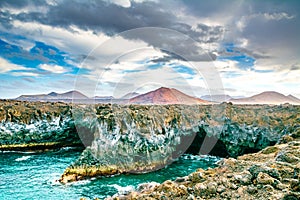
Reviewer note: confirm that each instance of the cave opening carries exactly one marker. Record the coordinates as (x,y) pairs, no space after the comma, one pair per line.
(219,148)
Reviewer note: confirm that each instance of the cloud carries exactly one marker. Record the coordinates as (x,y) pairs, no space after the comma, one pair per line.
(53,68)
(111,18)
(265,32)
(278,16)
(6,66)
(295,67)
(22,74)
(75,41)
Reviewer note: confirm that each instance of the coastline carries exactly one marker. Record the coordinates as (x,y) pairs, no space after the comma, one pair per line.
(38,146)
(272,173)
(245,131)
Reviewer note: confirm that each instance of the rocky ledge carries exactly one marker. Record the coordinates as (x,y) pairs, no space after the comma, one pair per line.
(142,138)
(36,126)
(272,173)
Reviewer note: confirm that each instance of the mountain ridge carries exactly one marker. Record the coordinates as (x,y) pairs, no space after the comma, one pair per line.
(73,94)
(267,97)
(165,95)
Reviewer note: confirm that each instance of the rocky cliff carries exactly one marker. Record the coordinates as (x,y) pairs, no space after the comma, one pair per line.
(273,173)
(141,138)
(36,125)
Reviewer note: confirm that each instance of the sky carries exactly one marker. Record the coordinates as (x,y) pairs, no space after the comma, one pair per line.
(110,48)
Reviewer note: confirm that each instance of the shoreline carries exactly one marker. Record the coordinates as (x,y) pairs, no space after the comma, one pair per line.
(272,173)
(38,146)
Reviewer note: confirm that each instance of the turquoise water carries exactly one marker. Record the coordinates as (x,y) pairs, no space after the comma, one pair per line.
(34,175)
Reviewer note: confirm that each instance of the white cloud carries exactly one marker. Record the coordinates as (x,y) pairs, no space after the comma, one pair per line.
(123,3)
(53,68)
(74,40)
(244,20)
(24,74)
(6,66)
(278,16)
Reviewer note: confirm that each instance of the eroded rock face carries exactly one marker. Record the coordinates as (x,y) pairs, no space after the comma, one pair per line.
(140,138)
(262,175)
(35,125)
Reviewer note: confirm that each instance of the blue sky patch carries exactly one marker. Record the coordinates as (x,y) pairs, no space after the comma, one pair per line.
(184,70)
(244,61)
(40,53)
(155,66)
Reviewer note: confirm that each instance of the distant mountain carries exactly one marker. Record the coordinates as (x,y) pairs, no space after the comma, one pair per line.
(293,98)
(130,95)
(165,95)
(216,98)
(53,96)
(269,97)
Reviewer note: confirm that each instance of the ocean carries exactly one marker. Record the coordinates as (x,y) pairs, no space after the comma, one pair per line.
(34,175)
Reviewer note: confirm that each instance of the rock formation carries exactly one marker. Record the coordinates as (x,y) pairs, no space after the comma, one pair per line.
(136,139)
(141,138)
(273,173)
(36,125)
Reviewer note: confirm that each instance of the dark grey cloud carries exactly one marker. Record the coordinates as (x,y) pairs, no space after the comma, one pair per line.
(175,44)
(295,67)
(271,28)
(21,4)
(101,16)
(110,18)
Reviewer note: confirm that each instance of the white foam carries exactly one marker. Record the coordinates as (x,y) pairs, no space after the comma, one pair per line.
(22,158)
(81,182)
(19,152)
(123,190)
(198,157)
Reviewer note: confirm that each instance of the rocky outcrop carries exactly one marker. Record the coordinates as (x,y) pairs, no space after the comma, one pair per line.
(273,173)
(36,126)
(141,138)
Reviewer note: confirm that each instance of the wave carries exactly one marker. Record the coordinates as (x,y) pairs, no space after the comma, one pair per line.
(199,157)
(20,152)
(81,182)
(22,158)
(121,189)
